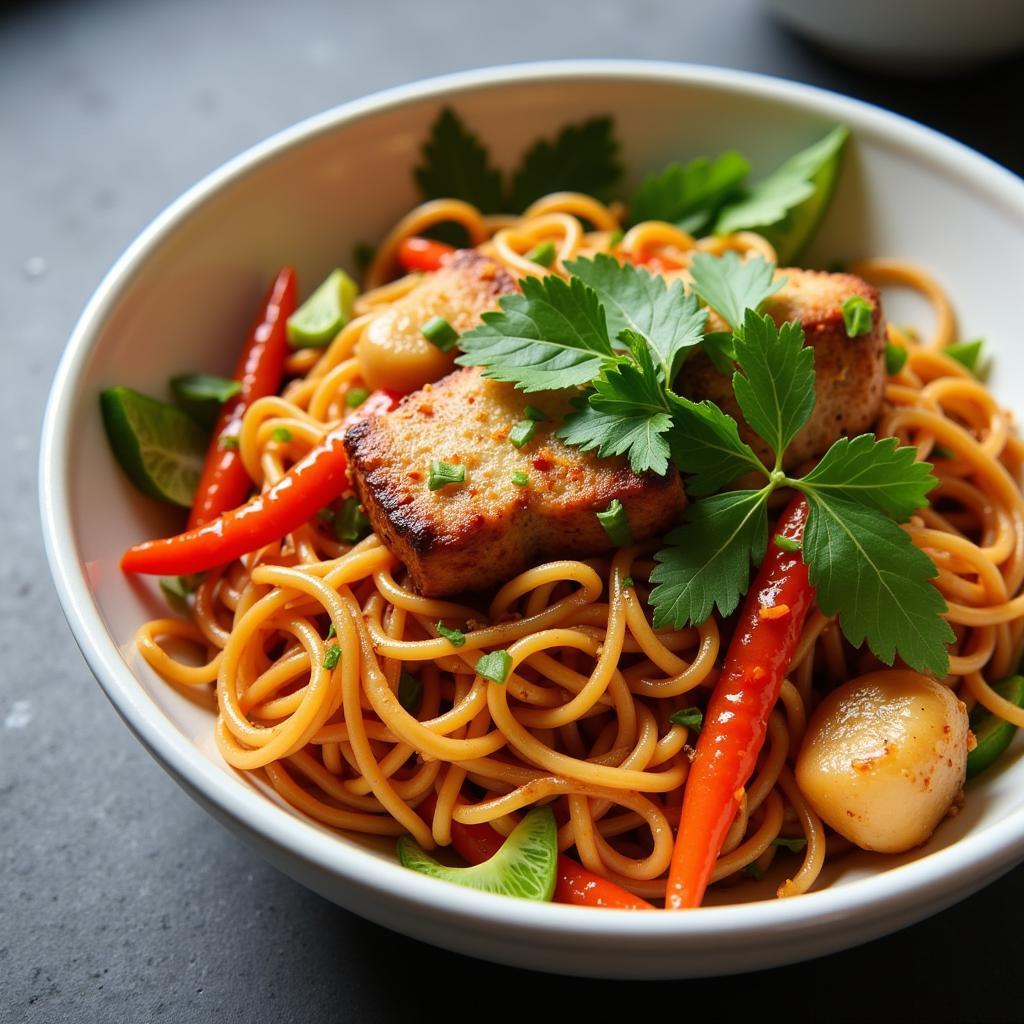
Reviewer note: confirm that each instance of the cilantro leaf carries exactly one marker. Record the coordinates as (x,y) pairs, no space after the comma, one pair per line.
(867,569)
(775,389)
(626,411)
(551,336)
(705,442)
(878,474)
(707,560)
(456,165)
(730,287)
(583,157)
(668,319)
(689,195)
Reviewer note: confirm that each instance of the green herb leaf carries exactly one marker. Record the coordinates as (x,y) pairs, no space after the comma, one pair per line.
(706,443)
(616,523)
(202,394)
(895,358)
(543,253)
(626,411)
(583,157)
(350,522)
(691,718)
(875,473)
(720,348)
(706,562)
(331,632)
(669,320)
(331,657)
(456,165)
(531,412)
(775,388)
(552,336)
(522,433)
(966,353)
(454,636)
(627,582)
(689,195)
(731,287)
(410,692)
(444,473)
(868,571)
(857,315)
(495,666)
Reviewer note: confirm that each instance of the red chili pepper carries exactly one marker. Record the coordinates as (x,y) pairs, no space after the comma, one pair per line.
(576,884)
(423,254)
(737,717)
(307,487)
(224,483)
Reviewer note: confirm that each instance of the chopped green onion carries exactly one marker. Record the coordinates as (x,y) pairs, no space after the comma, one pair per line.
(796,845)
(495,666)
(355,397)
(615,237)
(332,657)
(966,353)
(281,434)
(522,432)
(992,733)
(440,333)
(444,473)
(350,522)
(857,312)
(692,718)
(454,636)
(616,524)
(531,412)
(410,692)
(324,313)
(543,253)
(331,632)
(787,543)
(520,479)
(228,441)
(895,359)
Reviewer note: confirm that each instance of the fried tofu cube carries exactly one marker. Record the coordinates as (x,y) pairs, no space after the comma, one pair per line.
(478,534)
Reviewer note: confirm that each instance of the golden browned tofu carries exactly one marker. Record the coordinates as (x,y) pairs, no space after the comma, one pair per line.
(475,535)
(393,353)
(850,372)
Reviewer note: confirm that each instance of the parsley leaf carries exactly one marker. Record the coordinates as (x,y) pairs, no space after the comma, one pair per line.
(456,165)
(730,287)
(689,195)
(626,411)
(706,562)
(705,443)
(879,474)
(867,569)
(583,157)
(775,389)
(668,319)
(551,336)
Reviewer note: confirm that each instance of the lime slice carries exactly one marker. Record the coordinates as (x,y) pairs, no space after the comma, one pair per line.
(992,732)
(788,205)
(324,313)
(160,448)
(524,866)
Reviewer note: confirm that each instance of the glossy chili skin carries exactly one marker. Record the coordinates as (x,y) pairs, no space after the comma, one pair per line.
(736,720)
(224,483)
(423,254)
(575,884)
(311,484)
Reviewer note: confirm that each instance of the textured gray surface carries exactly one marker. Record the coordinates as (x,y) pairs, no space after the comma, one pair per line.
(120,900)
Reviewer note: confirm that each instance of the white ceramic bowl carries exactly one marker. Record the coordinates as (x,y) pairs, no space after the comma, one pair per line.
(184,292)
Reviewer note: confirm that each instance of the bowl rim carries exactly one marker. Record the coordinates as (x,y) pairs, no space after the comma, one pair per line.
(924,882)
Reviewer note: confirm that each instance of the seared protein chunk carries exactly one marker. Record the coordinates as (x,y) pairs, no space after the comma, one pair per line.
(393,353)
(850,372)
(475,535)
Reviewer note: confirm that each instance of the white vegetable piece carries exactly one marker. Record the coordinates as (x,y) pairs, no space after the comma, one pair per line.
(884,757)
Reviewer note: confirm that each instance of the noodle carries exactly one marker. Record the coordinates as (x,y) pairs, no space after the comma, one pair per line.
(583,720)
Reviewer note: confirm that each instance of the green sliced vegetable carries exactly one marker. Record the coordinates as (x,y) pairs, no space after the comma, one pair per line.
(444,473)
(495,666)
(525,866)
(160,447)
(992,732)
(324,313)
(176,594)
(616,523)
(440,333)
(895,358)
(201,395)
(967,354)
(522,433)
(543,253)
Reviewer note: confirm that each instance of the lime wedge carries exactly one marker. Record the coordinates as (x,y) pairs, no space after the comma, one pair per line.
(524,866)
(788,205)
(324,313)
(992,732)
(160,448)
